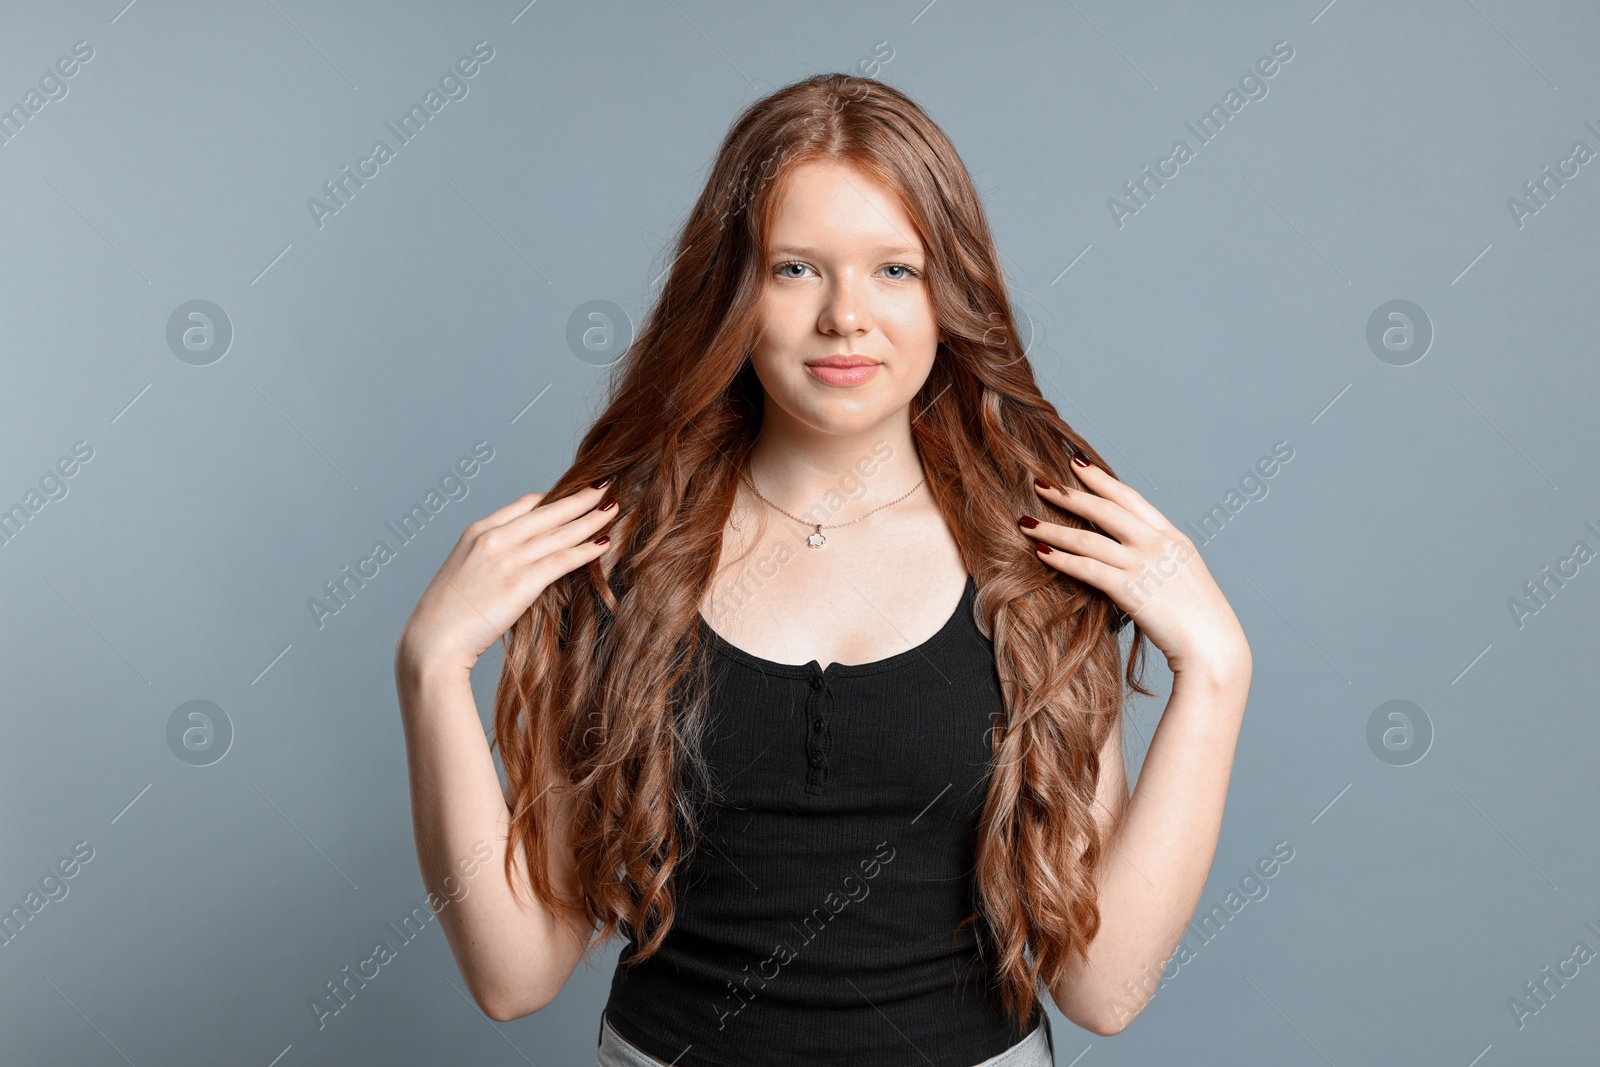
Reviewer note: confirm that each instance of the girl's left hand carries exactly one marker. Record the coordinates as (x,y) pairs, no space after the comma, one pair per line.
(1147,567)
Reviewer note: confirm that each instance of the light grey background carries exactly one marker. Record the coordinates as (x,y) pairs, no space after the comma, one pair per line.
(431,312)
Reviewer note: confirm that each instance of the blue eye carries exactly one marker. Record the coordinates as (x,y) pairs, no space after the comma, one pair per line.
(911,272)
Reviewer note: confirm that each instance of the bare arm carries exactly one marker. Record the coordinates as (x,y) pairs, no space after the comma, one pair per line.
(1162,840)
(514,956)
(1161,846)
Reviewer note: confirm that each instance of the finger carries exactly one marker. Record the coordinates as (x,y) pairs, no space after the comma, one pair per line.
(520,506)
(557,513)
(1091,571)
(545,559)
(1082,542)
(569,559)
(1107,485)
(1109,515)
(574,533)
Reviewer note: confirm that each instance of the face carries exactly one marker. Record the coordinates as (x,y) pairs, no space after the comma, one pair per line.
(845,277)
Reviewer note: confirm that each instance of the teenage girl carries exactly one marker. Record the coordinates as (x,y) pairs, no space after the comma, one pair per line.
(813,687)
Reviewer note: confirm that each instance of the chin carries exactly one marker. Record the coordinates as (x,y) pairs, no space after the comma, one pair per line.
(844,418)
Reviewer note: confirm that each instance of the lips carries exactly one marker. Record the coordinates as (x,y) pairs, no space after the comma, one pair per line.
(846,370)
(850,360)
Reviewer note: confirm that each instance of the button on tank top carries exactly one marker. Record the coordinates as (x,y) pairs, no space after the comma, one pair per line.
(816,921)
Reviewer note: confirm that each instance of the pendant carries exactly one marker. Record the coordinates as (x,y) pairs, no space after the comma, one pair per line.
(816,540)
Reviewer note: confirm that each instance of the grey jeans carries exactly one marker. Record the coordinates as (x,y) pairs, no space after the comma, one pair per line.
(1035,1050)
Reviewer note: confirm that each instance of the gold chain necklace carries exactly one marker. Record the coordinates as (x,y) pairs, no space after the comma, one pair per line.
(815,538)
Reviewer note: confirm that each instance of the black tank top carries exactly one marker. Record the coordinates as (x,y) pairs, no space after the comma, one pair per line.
(816,922)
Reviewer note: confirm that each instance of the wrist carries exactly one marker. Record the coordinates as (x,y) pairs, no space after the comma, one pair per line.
(1217,675)
(1217,669)
(417,666)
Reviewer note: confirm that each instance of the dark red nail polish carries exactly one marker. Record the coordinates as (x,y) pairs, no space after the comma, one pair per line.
(1080,459)
(1041,483)
(607,504)
(1042,547)
(601,484)
(603,539)
(1027,522)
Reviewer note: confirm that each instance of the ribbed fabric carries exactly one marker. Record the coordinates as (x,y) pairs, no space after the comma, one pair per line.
(816,922)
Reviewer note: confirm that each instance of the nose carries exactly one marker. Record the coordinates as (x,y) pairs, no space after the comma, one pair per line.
(845,308)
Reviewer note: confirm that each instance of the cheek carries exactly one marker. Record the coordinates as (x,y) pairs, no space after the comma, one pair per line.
(911,330)
(786,320)
(908,320)
(775,372)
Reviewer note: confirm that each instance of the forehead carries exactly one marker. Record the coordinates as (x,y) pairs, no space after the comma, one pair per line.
(828,206)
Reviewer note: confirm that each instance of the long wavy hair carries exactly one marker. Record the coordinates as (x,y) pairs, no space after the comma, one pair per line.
(601,704)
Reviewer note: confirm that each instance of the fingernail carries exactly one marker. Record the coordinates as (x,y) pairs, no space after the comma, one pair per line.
(1041,483)
(607,504)
(1042,547)
(1028,522)
(603,539)
(601,484)
(1080,459)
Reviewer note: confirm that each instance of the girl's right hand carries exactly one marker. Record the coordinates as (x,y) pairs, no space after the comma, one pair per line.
(500,566)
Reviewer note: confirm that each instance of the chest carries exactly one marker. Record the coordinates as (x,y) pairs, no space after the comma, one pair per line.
(872,591)
(896,741)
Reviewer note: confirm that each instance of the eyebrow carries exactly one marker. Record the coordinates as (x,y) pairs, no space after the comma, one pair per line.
(889,250)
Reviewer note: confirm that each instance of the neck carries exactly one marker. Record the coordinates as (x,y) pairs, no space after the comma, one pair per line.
(834,477)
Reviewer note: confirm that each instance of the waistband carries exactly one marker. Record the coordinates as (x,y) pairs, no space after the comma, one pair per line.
(1035,1050)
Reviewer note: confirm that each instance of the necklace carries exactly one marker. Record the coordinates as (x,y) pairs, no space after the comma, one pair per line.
(815,538)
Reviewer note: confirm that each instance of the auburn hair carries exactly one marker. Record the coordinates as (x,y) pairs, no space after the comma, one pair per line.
(601,702)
